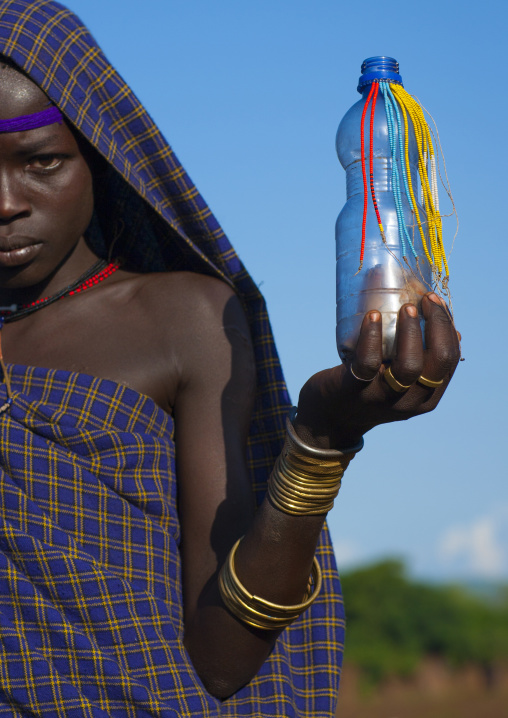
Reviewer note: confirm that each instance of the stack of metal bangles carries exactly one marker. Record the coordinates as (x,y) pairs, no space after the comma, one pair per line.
(256,611)
(304,482)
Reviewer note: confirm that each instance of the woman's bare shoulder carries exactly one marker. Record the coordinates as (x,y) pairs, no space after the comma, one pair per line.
(187,291)
(193,318)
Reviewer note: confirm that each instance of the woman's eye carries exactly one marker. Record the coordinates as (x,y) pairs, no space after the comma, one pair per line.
(45,162)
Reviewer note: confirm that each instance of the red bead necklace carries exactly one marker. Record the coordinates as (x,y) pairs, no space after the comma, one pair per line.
(97,273)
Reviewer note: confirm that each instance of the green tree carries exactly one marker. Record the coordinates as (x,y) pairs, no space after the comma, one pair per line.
(393,622)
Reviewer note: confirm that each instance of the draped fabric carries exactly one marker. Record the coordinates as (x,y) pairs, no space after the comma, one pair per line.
(90,592)
(68,562)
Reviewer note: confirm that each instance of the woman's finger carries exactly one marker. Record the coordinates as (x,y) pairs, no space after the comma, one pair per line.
(369,350)
(407,365)
(442,343)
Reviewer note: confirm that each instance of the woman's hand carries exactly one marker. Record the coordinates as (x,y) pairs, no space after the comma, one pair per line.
(337,406)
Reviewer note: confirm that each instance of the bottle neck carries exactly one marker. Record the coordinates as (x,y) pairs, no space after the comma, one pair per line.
(379,67)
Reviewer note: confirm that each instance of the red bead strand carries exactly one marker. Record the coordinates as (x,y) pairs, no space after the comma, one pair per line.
(96,279)
(102,272)
(371,159)
(364,175)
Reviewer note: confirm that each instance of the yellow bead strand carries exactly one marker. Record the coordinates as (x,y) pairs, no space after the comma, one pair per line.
(394,89)
(426,162)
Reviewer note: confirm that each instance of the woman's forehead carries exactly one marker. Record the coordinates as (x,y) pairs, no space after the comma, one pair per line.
(19,95)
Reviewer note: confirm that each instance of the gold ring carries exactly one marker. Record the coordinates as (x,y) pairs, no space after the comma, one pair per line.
(359,377)
(393,383)
(428,382)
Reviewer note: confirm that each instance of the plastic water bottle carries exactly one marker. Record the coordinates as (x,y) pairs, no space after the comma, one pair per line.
(387,279)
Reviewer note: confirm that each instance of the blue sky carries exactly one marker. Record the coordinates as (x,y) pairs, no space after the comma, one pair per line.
(250,95)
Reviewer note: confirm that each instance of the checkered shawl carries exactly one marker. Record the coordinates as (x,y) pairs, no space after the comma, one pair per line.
(90,596)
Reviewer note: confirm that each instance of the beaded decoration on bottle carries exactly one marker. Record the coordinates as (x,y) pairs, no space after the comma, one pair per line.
(389,233)
(403,110)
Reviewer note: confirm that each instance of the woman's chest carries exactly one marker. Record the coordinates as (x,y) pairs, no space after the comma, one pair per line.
(124,345)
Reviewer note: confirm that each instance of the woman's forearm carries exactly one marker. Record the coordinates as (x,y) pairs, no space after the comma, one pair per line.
(273,561)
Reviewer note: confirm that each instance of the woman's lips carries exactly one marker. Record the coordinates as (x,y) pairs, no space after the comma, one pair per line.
(15,253)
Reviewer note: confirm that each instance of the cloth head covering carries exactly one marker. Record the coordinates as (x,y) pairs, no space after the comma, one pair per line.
(152,212)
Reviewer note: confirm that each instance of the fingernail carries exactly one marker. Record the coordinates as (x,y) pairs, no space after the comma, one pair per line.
(411,310)
(374,316)
(434,298)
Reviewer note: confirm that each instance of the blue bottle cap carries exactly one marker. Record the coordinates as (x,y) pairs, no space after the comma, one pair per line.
(379,68)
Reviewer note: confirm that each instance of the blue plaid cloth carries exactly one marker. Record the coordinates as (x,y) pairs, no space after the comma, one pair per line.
(90,596)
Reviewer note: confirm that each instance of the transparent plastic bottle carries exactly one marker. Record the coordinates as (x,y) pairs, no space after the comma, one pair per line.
(386,280)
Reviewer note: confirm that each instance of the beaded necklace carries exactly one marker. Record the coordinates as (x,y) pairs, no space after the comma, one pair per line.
(97,273)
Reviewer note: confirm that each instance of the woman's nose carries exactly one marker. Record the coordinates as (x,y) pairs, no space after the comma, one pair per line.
(13,200)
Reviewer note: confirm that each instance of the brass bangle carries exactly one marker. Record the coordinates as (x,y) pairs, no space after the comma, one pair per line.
(294,507)
(297,498)
(305,481)
(256,611)
(308,481)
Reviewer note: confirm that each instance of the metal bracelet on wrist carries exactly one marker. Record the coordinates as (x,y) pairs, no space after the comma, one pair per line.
(327,454)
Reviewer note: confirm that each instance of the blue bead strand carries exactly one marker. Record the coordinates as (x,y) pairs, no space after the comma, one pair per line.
(402,162)
(395,174)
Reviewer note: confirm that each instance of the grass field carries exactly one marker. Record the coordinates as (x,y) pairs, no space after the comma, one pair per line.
(433,692)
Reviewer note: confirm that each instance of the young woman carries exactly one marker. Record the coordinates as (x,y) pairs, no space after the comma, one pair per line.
(142,411)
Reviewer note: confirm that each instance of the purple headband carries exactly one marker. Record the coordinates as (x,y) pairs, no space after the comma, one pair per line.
(31,122)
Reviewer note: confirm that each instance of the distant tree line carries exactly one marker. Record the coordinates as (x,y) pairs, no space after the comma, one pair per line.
(394,622)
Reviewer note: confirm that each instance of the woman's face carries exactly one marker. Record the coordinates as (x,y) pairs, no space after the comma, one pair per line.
(46,192)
